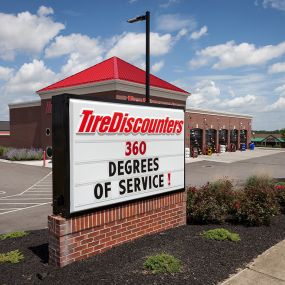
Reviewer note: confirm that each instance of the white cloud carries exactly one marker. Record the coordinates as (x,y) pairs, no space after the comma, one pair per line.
(157,66)
(239,101)
(29,78)
(175,22)
(26,33)
(275,4)
(280,89)
(5,72)
(168,3)
(230,55)
(73,43)
(44,11)
(279,105)
(277,67)
(131,46)
(198,34)
(82,52)
(204,94)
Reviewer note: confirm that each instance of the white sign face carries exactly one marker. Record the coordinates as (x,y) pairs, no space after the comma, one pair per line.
(121,152)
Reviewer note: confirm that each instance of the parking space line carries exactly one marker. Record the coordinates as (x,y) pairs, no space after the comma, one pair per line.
(36,195)
(11,211)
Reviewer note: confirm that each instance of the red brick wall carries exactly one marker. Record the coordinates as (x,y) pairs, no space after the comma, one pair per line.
(5,140)
(86,235)
(25,126)
(206,121)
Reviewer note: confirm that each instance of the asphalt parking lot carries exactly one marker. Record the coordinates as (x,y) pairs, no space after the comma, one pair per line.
(236,166)
(25,196)
(26,191)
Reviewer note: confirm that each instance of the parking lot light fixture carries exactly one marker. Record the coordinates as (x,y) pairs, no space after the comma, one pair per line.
(145,18)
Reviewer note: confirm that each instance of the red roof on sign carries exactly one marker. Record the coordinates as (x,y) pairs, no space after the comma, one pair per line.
(111,69)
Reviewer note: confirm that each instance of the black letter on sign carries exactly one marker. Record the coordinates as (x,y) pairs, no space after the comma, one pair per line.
(112,168)
(122,186)
(107,188)
(98,191)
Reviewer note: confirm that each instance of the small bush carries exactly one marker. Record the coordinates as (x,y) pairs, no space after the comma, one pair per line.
(211,203)
(259,181)
(280,195)
(23,154)
(3,151)
(14,256)
(257,203)
(221,234)
(162,263)
(13,235)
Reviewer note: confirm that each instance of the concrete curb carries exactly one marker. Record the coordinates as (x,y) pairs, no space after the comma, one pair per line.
(38,163)
(250,270)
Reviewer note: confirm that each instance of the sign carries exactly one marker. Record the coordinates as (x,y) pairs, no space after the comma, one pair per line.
(120,152)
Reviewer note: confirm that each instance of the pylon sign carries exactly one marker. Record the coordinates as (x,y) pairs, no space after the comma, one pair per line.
(119,152)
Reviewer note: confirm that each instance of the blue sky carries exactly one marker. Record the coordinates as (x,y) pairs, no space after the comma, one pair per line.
(229,54)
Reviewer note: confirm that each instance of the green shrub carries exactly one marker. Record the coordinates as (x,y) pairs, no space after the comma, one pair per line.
(257,203)
(15,154)
(221,234)
(3,151)
(259,181)
(280,195)
(13,235)
(162,263)
(210,203)
(14,256)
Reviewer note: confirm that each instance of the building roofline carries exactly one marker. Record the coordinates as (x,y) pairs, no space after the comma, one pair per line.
(219,113)
(34,103)
(113,84)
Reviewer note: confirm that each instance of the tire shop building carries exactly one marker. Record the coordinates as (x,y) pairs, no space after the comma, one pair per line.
(31,122)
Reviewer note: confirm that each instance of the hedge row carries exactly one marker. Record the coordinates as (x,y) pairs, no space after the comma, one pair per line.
(17,154)
(259,199)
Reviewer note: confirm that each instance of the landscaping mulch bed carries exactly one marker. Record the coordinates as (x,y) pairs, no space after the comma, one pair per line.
(204,261)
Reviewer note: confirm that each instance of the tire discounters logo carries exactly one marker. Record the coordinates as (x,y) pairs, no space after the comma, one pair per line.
(121,123)
(122,152)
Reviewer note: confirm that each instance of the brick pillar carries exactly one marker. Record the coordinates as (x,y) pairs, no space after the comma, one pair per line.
(229,137)
(86,235)
(238,140)
(204,140)
(217,140)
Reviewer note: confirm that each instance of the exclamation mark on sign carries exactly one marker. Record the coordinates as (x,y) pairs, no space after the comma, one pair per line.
(169,179)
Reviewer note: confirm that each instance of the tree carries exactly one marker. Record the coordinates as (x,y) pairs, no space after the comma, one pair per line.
(282,132)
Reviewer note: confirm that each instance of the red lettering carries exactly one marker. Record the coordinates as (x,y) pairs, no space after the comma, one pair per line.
(104,124)
(116,122)
(121,123)
(86,114)
(136,128)
(95,124)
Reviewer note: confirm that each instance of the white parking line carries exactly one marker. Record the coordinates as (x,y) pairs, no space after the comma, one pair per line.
(28,198)
(19,209)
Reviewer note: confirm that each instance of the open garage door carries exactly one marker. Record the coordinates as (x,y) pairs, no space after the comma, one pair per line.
(234,139)
(196,139)
(223,137)
(243,136)
(211,135)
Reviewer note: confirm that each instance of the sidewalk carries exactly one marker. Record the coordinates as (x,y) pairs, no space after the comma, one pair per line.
(230,157)
(30,162)
(267,269)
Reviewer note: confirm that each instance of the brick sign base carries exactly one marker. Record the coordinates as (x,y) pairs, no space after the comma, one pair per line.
(83,236)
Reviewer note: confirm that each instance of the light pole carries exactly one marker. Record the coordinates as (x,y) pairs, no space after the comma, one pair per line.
(145,18)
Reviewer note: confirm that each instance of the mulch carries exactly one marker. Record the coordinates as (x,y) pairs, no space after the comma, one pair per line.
(204,261)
